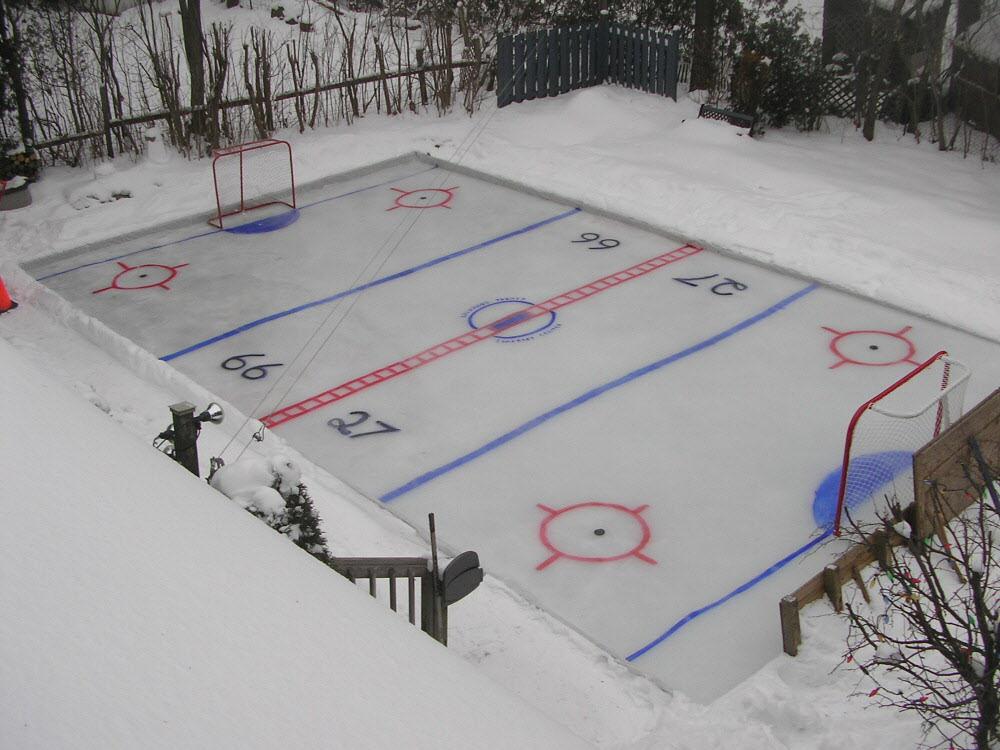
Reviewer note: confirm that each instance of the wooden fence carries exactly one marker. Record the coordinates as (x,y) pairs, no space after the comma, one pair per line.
(420,73)
(942,471)
(643,59)
(549,62)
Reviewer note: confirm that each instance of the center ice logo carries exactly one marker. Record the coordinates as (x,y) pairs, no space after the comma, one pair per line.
(594,532)
(511,318)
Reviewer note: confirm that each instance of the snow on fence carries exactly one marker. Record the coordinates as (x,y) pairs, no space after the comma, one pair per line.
(943,471)
(549,62)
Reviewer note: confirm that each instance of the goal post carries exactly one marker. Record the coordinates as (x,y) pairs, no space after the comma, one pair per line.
(250,176)
(887,429)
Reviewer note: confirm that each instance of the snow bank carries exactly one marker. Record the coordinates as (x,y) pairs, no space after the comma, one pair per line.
(158,614)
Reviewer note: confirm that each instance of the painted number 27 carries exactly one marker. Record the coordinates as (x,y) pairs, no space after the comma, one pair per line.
(345,428)
(600,244)
(725,288)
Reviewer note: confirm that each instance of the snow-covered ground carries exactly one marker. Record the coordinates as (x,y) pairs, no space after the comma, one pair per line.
(894,221)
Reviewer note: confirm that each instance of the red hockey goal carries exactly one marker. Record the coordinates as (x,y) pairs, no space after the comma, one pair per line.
(252,175)
(889,428)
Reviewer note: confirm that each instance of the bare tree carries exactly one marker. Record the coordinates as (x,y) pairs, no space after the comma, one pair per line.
(11,58)
(930,640)
(190,11)
(703,57)
(156,38)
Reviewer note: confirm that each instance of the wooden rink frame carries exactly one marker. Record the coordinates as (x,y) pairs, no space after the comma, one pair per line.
(942,472)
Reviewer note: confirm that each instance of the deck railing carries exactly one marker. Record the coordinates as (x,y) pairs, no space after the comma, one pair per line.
(409,570)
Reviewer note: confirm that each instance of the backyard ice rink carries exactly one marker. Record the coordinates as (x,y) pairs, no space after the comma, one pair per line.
(627,428)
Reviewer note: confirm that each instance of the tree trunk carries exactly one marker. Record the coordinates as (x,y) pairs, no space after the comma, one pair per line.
(876,82)
(10,58)
(704,36)
(193,44)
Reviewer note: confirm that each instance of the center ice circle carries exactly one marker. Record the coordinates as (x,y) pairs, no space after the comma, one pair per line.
(490,313)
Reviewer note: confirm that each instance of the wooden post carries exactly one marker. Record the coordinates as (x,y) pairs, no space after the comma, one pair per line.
(505,70)
(555,58)
(542,64)
(520,61)
(427,604)
(603,46)
(860,582)
(673,63)
(880,545)
(643,48)
(592,55)
(439,612)
(574,54)
(831,585)
(530,64)
(185,436)
(791,633)
(422,79)
(564,71)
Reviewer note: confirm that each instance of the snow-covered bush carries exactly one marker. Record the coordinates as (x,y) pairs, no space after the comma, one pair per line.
(271,489)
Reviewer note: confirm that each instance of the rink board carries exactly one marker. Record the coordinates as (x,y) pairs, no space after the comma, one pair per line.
(625,427)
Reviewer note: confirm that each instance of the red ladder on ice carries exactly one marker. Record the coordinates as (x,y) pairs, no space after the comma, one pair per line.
(301,408)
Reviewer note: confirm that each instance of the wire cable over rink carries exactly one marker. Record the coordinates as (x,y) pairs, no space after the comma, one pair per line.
(630,429)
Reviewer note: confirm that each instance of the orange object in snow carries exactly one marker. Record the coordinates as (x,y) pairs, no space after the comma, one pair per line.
(6,303)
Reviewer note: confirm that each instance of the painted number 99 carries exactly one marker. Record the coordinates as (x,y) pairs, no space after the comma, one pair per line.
(600,243)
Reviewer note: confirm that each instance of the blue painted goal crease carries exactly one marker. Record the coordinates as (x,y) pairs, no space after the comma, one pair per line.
(362,287)
(217,231)
(592,394)
(690,616)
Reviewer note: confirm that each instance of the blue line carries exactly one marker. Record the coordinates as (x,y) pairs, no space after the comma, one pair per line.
(126,255)
(368,285)
(217,231)
(591,394)
(370,187)
(735,592)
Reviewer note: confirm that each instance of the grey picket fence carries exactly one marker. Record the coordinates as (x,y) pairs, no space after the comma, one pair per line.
(549,62)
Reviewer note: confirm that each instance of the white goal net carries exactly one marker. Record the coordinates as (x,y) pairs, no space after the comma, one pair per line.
(251,176)
(888,429)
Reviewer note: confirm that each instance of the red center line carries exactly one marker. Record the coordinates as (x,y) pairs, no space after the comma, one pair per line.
(342,391)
